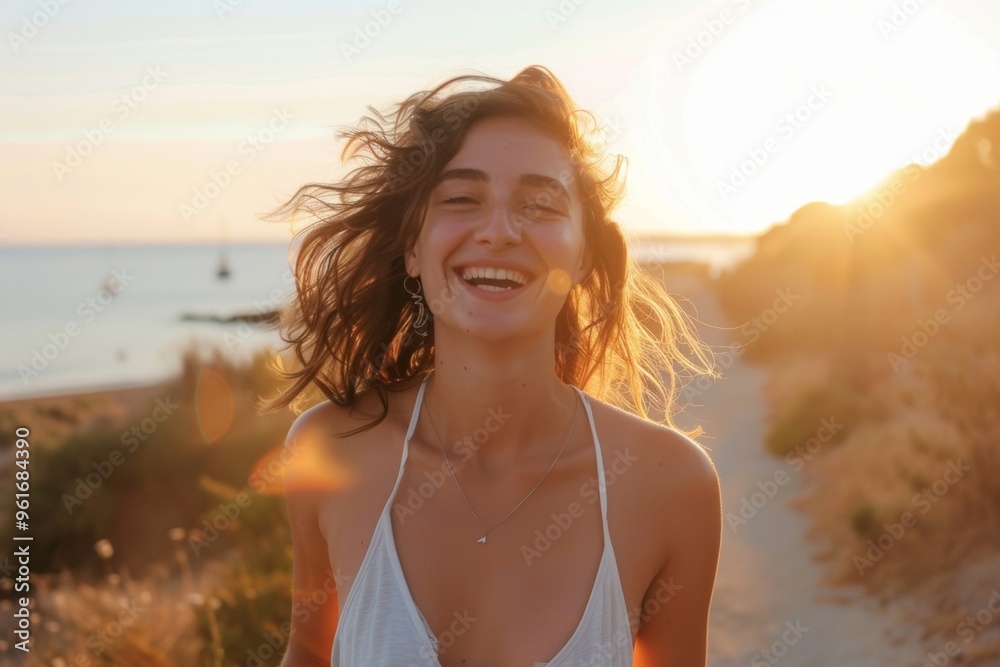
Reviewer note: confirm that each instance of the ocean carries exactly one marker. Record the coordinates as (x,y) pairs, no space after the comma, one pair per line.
(79,318)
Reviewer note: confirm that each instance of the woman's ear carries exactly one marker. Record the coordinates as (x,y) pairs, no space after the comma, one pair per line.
(410,260)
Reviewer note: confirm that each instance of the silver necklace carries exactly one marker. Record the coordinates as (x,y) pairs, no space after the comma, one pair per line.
(452,471)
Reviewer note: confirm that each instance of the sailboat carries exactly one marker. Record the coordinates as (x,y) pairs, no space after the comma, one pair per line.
(110,284)
(223,270)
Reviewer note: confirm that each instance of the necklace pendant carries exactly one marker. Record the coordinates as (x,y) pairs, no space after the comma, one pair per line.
(482,539)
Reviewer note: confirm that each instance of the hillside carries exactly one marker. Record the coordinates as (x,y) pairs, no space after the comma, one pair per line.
(884,314)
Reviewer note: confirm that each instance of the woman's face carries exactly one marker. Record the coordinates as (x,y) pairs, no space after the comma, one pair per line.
(502,239)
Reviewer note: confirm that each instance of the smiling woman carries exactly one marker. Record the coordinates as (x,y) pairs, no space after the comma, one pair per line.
(469,266)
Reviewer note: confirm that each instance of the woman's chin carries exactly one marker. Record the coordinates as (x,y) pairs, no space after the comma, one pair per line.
(486,328)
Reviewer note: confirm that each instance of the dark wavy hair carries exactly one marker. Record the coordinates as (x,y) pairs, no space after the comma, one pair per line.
(350,323)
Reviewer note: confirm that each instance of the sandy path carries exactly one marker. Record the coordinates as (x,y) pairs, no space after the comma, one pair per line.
(767,585)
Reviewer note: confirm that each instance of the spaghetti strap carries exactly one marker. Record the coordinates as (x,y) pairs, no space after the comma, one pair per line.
(416,407)
(601,482)
(406,443)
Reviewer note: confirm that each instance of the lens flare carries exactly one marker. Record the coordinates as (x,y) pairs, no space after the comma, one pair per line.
(214,405)
(558,281)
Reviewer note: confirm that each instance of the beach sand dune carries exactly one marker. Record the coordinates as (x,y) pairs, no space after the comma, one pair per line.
(769,605)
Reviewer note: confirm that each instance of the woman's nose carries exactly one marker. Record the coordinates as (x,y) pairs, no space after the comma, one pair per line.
(500,226)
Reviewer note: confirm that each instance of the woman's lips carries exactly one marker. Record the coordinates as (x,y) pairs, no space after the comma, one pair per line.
(490,294)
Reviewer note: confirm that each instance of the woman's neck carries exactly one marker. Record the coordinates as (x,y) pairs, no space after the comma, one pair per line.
(498,411)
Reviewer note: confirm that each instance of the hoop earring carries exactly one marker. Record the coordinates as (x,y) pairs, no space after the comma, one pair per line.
(420,323)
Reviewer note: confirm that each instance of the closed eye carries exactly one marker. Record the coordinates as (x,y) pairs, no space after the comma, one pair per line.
(460,199)
(535,209)
(538,207)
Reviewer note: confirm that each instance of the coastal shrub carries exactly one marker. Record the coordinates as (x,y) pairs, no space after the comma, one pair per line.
(864,521)
(131,487)
(248,618)
(827,412)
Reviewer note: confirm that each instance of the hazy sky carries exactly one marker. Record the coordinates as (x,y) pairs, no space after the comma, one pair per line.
(183,121)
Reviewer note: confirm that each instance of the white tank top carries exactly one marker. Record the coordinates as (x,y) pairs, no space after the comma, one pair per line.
(381,626)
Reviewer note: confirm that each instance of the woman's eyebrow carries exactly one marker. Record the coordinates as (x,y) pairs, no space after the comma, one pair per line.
(537,180)
(464,174)
(552,185)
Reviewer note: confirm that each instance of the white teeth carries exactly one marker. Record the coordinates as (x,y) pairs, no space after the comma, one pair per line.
(471,272)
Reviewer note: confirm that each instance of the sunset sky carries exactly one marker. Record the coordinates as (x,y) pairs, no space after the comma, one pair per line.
(119,119)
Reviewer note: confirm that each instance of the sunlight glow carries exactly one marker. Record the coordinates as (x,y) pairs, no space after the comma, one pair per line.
(788,107)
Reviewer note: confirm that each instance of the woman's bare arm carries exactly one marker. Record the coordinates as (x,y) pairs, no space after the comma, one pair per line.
(315,607)
(675,633)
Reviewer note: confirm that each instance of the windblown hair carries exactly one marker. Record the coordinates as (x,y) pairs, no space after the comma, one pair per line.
(350,323)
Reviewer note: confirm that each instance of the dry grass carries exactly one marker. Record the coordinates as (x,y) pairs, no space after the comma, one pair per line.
(179,611)
(907,467)
(117,621)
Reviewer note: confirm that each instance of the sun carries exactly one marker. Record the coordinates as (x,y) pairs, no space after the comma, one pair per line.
(795,102)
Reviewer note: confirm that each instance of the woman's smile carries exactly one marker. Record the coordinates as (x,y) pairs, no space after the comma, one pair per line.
(501,278)
(492,284)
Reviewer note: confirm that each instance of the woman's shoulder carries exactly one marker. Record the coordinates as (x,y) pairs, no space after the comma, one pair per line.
(344,437)
(669,458)
(672,483)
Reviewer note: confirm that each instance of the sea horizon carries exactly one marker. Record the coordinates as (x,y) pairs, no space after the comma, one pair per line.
(120,314)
